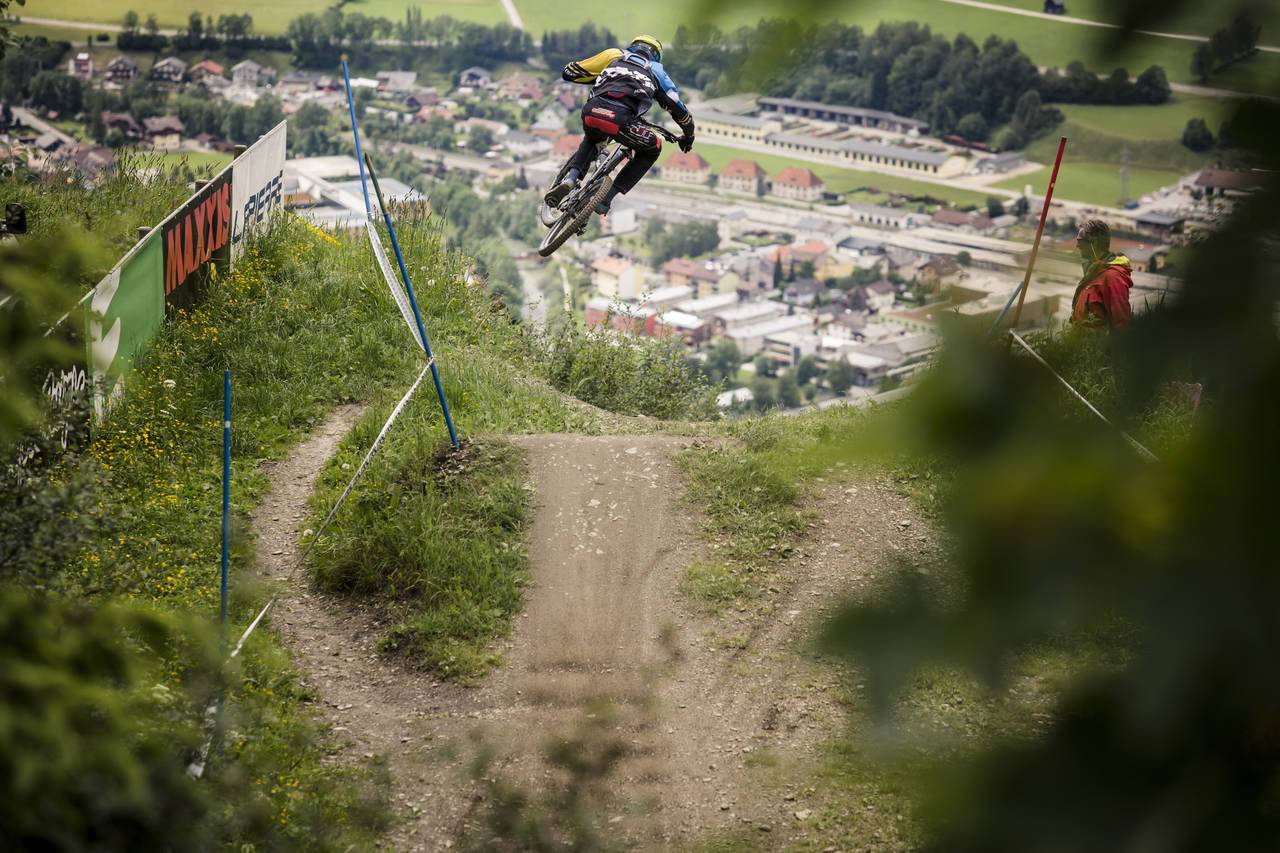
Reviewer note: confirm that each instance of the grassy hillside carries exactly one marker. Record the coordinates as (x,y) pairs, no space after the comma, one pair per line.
(1192,18)
(267,18)
(129,526)
(1163,122)
(1048,43)
(1092,182)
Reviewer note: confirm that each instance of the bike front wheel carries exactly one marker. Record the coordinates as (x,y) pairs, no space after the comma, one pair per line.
(573,220)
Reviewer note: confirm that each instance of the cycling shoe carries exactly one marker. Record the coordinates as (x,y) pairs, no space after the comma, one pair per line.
(559,192)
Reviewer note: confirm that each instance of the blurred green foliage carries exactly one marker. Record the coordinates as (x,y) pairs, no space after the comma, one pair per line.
(36,289)
(91,737)
(1058,530)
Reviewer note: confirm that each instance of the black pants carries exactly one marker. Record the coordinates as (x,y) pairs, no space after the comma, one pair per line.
(608,118)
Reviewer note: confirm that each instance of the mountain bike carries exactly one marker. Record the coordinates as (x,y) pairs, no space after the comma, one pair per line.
(575,211)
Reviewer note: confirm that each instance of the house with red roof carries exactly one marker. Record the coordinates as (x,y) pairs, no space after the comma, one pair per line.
(688,168)
(205,68)
(796,184)
(743,176)
(705,279)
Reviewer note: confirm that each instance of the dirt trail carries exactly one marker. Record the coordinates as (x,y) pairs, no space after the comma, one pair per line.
(376,709)
(606,548)
(608,543)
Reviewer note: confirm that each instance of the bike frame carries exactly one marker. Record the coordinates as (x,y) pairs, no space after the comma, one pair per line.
(572,214)
(601,167)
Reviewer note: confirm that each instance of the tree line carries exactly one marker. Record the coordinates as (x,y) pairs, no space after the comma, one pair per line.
(1226,47)
(233,33)
(957,86)
(319,40)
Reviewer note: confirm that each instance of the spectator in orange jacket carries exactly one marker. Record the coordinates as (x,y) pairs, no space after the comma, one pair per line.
(1101,301)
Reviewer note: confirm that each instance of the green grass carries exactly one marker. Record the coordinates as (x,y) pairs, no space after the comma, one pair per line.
(440,536)
(1048,43)
(635,375)
(1095,183)
(1149,123)
(837,178)
(111,213)
(1192,19)
(752,490)
(711,586)
(1097,138)
(204,161)
(157,467)
(269,18)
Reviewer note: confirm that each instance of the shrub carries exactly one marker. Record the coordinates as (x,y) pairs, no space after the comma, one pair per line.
(1197,135)
(91,747)
(628,374)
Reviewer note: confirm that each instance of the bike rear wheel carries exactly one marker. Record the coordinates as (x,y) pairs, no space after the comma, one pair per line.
(574,220)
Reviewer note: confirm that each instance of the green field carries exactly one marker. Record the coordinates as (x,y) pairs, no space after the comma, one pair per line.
(197,160)
(838,179)
(1148,123)
(1048,43)
(104,52)
(1193,19)
(272,18)
(1094,183)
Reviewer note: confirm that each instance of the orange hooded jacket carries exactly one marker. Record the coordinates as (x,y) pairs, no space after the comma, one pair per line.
(1101,300)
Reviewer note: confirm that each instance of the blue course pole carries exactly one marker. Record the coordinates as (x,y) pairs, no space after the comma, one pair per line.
(355,132)
(226,491)
(413,303)
(395,245)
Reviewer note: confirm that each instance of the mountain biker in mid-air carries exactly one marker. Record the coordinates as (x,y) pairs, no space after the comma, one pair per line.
(625,83)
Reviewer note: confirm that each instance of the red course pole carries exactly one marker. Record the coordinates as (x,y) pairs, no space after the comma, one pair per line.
(1021,292)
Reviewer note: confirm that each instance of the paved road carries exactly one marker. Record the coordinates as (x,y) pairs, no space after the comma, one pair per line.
(1085,22)
(95,26)
(30,119)
(513,14)
(1210,92)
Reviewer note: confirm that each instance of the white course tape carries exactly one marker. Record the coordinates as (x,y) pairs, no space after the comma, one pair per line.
(393,282)
(368,457)
(196,768)
(1133,442)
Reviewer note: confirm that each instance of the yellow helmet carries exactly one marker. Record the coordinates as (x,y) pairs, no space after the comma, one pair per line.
(652,42)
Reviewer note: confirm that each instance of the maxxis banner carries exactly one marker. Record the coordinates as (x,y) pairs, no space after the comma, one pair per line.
(197,240)
(172,266)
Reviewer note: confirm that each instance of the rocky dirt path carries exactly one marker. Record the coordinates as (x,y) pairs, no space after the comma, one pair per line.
(603,636)
(374,706)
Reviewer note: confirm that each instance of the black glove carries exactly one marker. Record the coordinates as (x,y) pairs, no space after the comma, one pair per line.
(686,143)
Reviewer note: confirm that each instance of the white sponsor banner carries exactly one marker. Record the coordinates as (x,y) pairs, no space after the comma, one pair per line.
(257,177)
